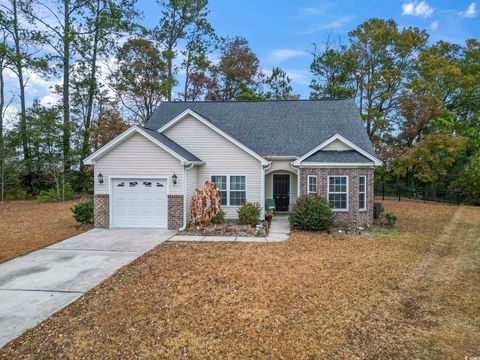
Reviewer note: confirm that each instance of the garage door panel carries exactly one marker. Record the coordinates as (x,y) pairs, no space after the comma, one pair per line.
(139,203)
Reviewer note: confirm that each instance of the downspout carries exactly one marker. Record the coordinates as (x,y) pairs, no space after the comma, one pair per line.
(298,178)
(262,187)
(185,168)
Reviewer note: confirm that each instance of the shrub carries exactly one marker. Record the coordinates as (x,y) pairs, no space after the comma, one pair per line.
(249,214)
(390,219)
(83,211)
(52,194)
(377,210)
(311,212)
(218,218)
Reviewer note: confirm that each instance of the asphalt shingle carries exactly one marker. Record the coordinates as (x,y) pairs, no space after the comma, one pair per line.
(290,127)
(329,156)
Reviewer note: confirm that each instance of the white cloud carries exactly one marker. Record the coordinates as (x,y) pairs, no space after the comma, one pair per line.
(434,25)
(318,10)
(299,77)
(50,99)
(415,8)
(332,25)
(470,12)
(280,55)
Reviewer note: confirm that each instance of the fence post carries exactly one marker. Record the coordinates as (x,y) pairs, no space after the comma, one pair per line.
(383,190)
(399,195)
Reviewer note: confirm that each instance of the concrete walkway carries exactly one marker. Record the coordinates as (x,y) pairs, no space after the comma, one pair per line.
(34,286)
(279,231)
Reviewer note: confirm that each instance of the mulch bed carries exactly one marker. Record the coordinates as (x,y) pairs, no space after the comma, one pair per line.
(229,228)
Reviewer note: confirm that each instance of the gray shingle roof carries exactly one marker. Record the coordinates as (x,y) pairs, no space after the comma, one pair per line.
(172,145)
(290,127)
(329,156)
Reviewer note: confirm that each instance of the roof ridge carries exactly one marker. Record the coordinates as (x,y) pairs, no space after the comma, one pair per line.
(253,101)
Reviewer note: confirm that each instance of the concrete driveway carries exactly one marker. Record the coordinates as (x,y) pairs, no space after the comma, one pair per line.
(34,286)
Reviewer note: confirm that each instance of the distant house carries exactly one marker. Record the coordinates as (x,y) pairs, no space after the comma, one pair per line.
(253,151)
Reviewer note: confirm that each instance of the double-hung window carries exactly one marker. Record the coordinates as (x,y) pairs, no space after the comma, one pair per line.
(232,189)
(362,192)
(312,184)
(221,183)
(338,192)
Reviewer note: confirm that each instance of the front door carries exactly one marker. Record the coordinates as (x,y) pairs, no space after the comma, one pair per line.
(281,191)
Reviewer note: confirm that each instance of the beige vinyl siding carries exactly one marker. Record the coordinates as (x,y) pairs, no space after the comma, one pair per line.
(137,157)
(192,175)
(221,157)
(337,145)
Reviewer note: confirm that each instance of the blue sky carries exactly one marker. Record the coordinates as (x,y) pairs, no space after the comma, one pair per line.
(282,32)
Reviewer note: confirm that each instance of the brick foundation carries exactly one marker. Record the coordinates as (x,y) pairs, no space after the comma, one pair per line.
(175,212)
(101,211)
(353,216)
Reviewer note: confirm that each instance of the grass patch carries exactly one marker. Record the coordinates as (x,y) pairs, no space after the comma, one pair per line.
(26,226)
(395,295)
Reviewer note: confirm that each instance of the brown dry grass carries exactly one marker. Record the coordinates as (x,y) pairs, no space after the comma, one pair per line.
(410,294)
(26,226)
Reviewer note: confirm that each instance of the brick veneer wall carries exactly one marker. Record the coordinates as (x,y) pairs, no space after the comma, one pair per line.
(101,214)
(175,212)
(353,216)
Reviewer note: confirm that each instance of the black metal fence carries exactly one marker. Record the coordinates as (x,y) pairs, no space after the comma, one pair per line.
(400,192)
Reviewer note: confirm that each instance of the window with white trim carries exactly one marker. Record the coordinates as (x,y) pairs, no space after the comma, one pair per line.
(221,183)
(338,192)
(362,192)
(232,189)
(312,184)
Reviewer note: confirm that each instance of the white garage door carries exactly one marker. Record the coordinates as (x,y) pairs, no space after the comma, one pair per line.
(139,203)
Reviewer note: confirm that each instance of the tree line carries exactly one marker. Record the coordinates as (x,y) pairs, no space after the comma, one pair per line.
(419,101)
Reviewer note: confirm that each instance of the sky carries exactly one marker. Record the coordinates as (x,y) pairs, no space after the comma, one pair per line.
(282,32)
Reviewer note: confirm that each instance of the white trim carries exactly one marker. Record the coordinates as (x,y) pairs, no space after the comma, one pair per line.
(281,157)
(308,184)
(110,196)
(335,165)
(262,191)
(339,137)
(348,192)
(363,192)
(214,128)
(228,188)
(123,136)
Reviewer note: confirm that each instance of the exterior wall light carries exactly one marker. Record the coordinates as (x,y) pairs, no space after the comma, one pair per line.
(100,178)
(174,179)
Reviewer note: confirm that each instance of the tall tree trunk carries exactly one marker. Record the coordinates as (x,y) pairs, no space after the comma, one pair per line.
(66,88)
(23,108)
(91,95)
(2,141)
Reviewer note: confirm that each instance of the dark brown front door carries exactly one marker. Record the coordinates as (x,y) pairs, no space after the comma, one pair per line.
(281,192)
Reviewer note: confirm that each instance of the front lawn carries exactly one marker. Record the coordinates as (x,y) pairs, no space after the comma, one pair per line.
(413,293)
(26,226)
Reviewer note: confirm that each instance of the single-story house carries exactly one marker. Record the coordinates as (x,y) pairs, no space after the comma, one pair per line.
(254,152)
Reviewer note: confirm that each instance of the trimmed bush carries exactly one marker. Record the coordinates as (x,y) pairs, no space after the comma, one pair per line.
(83,212)
(377,210)
(311,212)
(219,218)
(390,219)
(249,214)
(51,195)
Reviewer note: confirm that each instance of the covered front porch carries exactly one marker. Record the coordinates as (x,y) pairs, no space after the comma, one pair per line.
(281,188)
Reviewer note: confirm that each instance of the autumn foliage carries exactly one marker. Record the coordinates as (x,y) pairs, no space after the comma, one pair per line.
(204,206)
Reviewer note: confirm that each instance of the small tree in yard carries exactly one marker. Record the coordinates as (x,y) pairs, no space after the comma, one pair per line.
(204,206)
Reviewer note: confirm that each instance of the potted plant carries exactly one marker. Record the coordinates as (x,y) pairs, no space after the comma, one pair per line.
(269,215)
